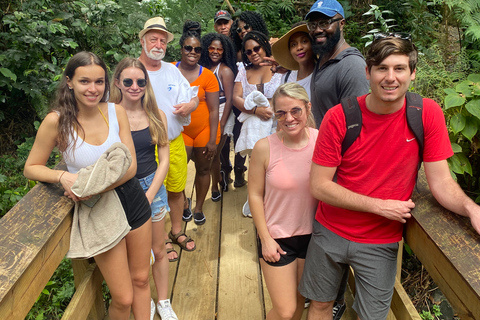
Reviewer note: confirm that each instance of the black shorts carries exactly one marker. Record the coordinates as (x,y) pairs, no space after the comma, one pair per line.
(295,247)
(134,202)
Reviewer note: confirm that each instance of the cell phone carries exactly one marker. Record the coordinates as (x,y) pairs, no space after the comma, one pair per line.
(91,201)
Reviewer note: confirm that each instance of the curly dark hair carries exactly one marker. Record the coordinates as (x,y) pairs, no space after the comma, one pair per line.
(228,56)
(261,39)
(254,20)
(191,29)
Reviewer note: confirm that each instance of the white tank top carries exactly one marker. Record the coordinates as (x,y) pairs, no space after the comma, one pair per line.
(86,154)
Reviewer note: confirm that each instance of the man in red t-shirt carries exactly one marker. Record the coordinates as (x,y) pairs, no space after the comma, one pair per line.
(360,217)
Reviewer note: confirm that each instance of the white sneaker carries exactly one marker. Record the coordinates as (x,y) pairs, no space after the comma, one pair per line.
(164,309)
(152,260)
(152,309)
(246,210)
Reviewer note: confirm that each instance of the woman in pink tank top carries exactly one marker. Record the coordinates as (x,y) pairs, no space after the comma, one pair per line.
(280,201)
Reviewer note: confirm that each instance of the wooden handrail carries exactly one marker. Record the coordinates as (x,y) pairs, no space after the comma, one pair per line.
(34,238)
(449,248)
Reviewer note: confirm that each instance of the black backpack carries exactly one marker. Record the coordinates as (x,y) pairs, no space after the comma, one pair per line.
(353,119)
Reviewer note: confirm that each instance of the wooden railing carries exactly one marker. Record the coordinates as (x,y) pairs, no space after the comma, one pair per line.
(35,236)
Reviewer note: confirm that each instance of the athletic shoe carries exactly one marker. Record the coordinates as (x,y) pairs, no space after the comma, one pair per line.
(164,309)
(152,260)
(152,309)
(225,181)
(216,196)
(338,310)
(199,218)
(246,210)
(187,213)
(307,303)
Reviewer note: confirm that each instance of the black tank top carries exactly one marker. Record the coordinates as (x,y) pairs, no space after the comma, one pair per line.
(145,152)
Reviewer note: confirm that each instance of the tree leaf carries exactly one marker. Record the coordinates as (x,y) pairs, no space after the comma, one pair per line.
(453,100)
(457,123)
(465,163)
(9,74)
(470,129)
(456,148)
(473,106)
(474,77)
(455,165)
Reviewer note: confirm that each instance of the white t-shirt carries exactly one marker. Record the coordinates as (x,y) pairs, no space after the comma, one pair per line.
(171,88)
(305,82)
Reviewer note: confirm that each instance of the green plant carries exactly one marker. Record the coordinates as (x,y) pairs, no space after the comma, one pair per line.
(462,110)
(432,314)
(378,19)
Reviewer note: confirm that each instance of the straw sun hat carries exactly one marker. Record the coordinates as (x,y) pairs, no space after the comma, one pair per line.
(156,23)
(281,50)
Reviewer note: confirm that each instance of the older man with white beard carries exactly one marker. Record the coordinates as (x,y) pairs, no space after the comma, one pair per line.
(174,97)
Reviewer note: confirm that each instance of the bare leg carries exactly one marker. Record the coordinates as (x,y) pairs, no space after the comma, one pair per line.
(215,169)
(114,267)
(202,177)
(175,202)
(320,310)
(282,283)
(139,243)
(160,267)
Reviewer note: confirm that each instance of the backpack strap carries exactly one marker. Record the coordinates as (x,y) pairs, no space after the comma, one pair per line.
(353,120)
(414,120)
(287,75)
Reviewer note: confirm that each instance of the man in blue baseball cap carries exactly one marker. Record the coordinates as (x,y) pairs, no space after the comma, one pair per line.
(340,69)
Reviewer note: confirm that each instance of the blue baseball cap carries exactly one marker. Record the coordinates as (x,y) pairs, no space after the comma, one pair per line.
(326,7)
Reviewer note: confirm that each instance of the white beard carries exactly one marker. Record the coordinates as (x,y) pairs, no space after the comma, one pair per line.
(154,54)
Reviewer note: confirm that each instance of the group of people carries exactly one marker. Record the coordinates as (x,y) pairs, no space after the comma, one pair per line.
(319,205)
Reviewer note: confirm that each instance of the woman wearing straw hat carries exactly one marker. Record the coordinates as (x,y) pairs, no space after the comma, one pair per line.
(294,52)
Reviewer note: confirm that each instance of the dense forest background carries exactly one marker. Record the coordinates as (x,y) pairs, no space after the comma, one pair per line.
(37,37)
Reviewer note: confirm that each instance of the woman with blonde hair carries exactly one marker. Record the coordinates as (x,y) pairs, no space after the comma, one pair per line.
(131,88)
(280,201)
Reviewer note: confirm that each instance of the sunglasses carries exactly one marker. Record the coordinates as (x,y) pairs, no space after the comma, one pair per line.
(399,35)
(325,24)
(127,82)
(295,112)
(245,27)
(256,49)
(188,49)
(212,49)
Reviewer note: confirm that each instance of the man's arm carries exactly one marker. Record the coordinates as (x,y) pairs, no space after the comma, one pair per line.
(449,194)
(184,109)
(324,189)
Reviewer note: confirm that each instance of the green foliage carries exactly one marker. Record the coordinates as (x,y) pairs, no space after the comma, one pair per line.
(379,21)
(56,295)
(432,314)
(462,109)
(279,15)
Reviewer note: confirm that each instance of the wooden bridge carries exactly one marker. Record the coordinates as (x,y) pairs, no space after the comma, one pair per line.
(221,279)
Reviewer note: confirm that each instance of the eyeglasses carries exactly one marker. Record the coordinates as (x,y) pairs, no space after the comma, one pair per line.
(256,49)
(245,27)
(295,112)
(399,35)
(188,49)
(127,82)
(324,24)
(212,49)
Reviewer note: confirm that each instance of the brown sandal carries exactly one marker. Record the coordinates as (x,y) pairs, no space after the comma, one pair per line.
(183,244)
(169,241)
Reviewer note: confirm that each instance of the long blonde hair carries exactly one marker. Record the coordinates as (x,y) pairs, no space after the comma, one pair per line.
(295,91)
(149,104)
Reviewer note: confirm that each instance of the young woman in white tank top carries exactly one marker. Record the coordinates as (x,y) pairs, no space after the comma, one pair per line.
(83,126)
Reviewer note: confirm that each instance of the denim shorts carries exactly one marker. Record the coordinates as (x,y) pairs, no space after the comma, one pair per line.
(159,204)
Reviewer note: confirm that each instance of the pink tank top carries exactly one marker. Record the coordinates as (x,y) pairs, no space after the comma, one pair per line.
(289,206)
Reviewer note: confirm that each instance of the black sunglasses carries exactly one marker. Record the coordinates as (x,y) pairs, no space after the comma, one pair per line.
(245,27)
(255,49)
(127,82)
(323,24)
(190,48)
(399,35)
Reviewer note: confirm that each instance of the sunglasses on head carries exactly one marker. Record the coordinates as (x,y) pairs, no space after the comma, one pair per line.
(245,27)
(399,35)
(127,82)
(212,49)
(190,48)
(256,49)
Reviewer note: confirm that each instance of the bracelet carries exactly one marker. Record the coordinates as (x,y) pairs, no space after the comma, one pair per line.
(60,179)
(254,109)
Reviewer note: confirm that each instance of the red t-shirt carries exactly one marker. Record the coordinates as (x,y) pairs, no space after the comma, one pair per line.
(381,163)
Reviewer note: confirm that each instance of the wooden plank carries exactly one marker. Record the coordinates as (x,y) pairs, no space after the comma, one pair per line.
(86,296)
(239,288)
(194,292)
(34,237)
(449,248)
(402,307)
(82,271)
